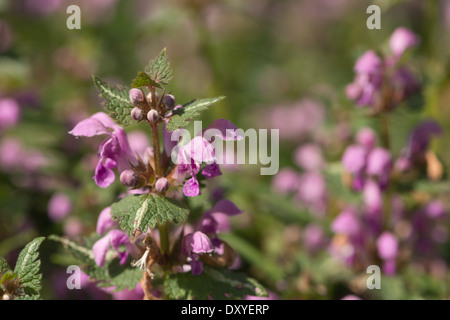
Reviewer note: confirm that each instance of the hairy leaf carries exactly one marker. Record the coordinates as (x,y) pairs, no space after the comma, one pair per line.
(112,274)
(159,69)
(143,80)
(117,101)
(4,267)
(137,213)
(27,268)
(218,284)
(181,117)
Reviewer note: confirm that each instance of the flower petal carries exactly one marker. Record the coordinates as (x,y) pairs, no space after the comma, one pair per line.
(89,127)
(222,129)
(104,221)
(104,176)
(191,188)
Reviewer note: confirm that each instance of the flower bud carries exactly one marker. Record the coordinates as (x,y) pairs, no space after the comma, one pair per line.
(136,114)
(129,178)
(169,101)
(136,95)
(162,185)
(153,116)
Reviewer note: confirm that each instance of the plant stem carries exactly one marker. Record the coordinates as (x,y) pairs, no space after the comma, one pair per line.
(384,130)
(156,151)
(164,239)
(159,172)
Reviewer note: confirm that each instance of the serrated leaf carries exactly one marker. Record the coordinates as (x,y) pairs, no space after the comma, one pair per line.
(218,284)
(27,268)
(78,251)
(117,101)
(4,267)
(182,116)
(139,212)
(143,80)
(159,69)
(112,274)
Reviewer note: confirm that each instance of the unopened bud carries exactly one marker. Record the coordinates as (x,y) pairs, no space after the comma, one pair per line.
(136,114)
(162,185)
(136,95)
(153,116)
(169,101)
(129,178)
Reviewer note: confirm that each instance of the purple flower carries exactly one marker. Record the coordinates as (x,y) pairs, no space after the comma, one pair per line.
(420,138)
(309,157)
(387,246)
(314,238)
(346,223)
(197,243)
(9,113)
(114,152)
(134,294)
(379,163)
(114,239)
(217,220)
(368,80)
(286,181)
(373,199)
(297,121)
(10,154)
(272,296)
(435,209)
(351,297)
(369,63)
(59,207)
(401,40)
(104,221)
(200,150)
(196,266)
(312,191)
(354,158)
(194,245)
(73,227)
(366,137)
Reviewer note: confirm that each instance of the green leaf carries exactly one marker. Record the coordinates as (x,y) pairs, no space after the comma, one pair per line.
(219,284)
(4,267)
(181,117)
(159,69)
(112,274)
(117,101)
(146,210)
(143,80)
(79,251)
(27,268)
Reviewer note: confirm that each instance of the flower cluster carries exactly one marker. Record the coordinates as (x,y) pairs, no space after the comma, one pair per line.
(383,83)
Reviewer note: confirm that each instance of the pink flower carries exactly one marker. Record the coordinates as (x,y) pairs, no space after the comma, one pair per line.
(104,221)
(346,223)
(114,239)
(401,40)
(114,152)
(286,180)
(309,157)
(59,207)
(9,113)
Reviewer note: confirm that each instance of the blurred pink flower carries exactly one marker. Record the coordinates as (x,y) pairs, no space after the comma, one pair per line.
(59,207)
(9,113)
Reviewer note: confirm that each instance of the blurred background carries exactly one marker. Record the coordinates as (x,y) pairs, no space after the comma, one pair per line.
(282,64)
